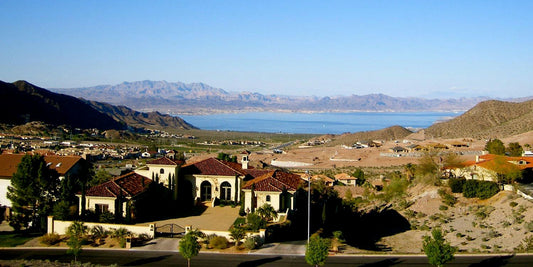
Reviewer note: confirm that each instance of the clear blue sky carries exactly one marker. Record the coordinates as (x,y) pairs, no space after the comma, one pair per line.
(400,48)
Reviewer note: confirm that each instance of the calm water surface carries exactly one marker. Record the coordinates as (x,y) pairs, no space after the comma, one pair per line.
(314,123)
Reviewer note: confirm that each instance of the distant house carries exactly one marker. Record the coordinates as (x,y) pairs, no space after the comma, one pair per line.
(415,147)
(113,196)
(64,165)
(346,179)
(328,181)
(398,149)
(276,188)
(487,167)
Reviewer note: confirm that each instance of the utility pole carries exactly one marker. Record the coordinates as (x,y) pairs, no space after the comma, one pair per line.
(308,206)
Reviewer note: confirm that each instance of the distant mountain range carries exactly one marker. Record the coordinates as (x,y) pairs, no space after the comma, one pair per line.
(24,102)
(199,98)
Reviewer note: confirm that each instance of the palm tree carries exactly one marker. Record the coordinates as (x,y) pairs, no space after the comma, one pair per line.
(267,212)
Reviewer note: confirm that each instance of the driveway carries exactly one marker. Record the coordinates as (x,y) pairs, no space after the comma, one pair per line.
(213,218)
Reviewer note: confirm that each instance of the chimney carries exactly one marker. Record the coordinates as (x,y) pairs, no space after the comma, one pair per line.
(244,162)
(477,158)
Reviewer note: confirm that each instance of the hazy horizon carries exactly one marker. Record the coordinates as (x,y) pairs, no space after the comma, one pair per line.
(311,48)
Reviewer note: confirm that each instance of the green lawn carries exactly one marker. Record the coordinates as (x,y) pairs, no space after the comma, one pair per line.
(10,239)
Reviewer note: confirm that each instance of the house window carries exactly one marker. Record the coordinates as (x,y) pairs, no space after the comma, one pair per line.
(101,208)
(225,193)
(268,198)
(162,171)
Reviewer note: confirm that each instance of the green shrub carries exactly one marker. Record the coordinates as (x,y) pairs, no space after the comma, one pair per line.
(513,204)
(106,217)
(480,189)
(456,184)
(255,222)
(470,188)
(487,189)
(253,242)
(218,242)
(50,239)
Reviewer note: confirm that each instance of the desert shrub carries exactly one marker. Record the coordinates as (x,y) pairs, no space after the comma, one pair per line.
(447,199)
(529,226)
(459,235)
(443,207)
(527,245)
(255,222)
(410,213)
(513,204)
(218,242)
(120,235)
(506,224)
(253,242)
(494,234)
(456,184)
(50,239)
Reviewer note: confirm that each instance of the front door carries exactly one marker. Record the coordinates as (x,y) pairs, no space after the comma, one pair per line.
(205,191)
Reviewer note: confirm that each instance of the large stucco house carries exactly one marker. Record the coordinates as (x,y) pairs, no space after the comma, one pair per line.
(487,167)
(206,181)
(64,165)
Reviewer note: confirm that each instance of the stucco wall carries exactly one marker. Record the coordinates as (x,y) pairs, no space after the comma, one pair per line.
(60,227)
(215,181)
(4,183)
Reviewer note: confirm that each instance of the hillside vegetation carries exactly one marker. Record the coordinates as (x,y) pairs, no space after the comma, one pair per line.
(488,119)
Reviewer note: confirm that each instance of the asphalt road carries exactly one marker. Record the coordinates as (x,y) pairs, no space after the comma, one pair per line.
(153,258)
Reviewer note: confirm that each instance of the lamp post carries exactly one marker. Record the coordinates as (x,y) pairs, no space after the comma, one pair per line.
(308,206)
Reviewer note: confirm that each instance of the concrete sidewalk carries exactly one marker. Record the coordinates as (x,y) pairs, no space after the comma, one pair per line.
(285,248)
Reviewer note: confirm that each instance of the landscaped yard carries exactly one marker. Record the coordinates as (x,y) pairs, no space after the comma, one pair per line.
(10,239)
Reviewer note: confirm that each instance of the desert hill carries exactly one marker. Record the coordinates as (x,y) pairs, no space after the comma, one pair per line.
(390,133)
(488,119)
(25,102)
(141,119)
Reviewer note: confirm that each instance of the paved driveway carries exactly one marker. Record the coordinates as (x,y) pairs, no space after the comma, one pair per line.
(213,218)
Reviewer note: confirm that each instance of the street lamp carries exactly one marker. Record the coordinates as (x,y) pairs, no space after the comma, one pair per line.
(308,206)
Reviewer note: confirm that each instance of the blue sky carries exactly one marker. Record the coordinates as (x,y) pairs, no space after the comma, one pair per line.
(400,48)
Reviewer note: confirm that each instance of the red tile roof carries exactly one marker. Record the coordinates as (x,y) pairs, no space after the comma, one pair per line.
(213,166)
(127,185)
(275,181)
(62,164)
(490,162)
(165,161)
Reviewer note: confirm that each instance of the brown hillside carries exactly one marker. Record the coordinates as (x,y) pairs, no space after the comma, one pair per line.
(489,119)
(390,133)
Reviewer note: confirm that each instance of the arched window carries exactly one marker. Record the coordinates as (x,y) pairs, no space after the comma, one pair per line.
(225,192)
(162,171)
(205,191)
(268,198)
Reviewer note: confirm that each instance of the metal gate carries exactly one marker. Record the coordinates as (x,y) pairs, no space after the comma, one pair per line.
(169,230)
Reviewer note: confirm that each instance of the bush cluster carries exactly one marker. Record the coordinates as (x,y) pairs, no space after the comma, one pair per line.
(218,242)
(473,188)
(50,239)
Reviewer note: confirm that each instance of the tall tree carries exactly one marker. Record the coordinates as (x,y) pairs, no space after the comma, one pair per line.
(189,247)
(437,249)
(316,251)
(495,146)
(515,149)
(33,190)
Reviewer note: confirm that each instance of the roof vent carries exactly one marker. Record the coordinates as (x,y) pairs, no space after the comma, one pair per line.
(58,165)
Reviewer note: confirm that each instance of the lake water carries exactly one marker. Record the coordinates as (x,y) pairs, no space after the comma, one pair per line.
(314,123)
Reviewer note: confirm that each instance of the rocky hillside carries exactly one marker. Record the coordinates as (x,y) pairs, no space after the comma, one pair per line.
(25,102)
(179,98)
(390,133)
(141,119)
(489,119)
